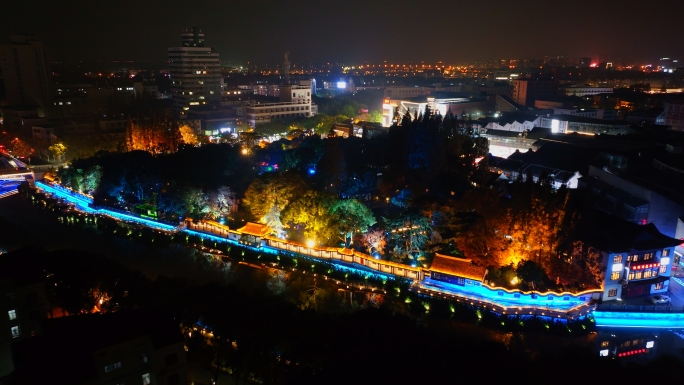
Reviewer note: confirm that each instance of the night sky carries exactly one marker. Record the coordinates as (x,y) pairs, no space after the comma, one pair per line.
(353,31)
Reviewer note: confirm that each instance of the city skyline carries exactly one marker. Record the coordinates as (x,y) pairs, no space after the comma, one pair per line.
(355,31)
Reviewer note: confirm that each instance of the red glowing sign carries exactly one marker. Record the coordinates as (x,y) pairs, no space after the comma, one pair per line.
(632,352)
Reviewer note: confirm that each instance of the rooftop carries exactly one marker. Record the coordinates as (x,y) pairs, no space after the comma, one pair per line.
(460,267)
(256,229)
(612,234)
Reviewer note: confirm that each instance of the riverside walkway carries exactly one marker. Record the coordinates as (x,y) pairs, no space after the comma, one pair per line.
(562,306)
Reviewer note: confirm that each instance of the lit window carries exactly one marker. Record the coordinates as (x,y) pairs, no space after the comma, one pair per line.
(617,259)
(146,379)
(648,273)
(112,367)
(614,276)
(665,253)
(15,331)
(638,275)
(12,314)
(665,261)
(612,293)
(617,267)
(663,269)
(604,344)
(659,286)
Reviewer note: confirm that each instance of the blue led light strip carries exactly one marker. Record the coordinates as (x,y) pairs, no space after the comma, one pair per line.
(475,293)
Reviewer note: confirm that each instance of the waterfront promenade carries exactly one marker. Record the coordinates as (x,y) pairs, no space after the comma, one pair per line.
(561,306)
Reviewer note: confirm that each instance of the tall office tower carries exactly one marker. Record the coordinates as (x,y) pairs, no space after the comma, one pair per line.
(195,72)
(286,69)
(26,73)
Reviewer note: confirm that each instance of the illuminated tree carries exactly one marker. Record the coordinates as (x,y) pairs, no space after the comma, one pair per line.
(20,148)
(188,135)
(374,239)
(153,134)
(408,235)
(91,179)
(196,201)
(351,216)
(221,202)
(57,150)
(270,193)
(311,212)
(271,129)
(249,139)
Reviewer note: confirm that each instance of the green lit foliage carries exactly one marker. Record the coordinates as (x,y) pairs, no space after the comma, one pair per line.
(351,216)
(311,212)
(269,193)
(272,129)
(408,235)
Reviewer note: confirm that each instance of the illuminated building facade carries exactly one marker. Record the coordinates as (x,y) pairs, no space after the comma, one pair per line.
(638,258)
(195,72)
(442,103)
(295,102)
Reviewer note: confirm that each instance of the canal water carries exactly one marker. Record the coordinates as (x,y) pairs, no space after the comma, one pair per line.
(23,224)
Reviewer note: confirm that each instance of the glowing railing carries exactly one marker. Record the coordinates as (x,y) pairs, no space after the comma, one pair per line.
(506,301)
(639,320)
(83,203)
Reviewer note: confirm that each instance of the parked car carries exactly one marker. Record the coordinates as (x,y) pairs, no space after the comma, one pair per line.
(658,299)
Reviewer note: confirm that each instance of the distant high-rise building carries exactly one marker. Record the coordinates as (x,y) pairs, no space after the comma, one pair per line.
(195,72)
(527,90)
(286,69)
(26,73)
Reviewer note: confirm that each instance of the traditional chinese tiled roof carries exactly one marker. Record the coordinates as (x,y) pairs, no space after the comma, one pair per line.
(255,229)
(612,234)
(459,267)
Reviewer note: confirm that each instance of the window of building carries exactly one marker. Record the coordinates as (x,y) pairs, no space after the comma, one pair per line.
(659,286)
(12,314)
(614,276)
(617,259)
(638,275)
(112,367)
(648,273)
(144,358)
(15,331)
(604,344)
(612,293)
(665,253)
(648,256)
(631,276)
(146,380)
(663,269)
